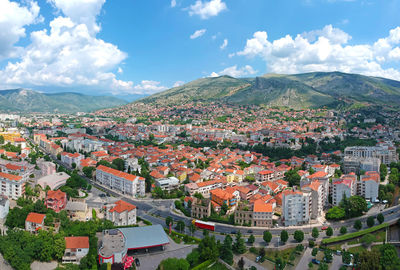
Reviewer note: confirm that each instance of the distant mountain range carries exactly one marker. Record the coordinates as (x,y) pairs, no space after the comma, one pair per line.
(23,100)
(308,90)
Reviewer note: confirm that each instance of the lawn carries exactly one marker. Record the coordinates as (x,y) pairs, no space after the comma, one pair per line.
(218,266)
(357,249)
(354,234)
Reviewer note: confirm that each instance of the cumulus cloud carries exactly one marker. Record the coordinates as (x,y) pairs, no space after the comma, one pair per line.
(325,50)
(224,44)
(14,17)
(178,83)
(68,54)
(235,72)
(206,9)
(173,3)
(198,33)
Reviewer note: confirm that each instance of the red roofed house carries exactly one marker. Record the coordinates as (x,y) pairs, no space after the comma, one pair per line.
(262,214)
(34,221)
(122,213)
(265,175)
(368,186)
(345,185)
(75,249)
(121,181)
(56,200)
(221,196)
(13,186)
(69,158)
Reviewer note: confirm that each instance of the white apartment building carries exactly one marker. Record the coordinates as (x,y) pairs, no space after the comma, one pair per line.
(12,186)
(345,186)
(122,213)
(169,183)
(296,207)
(69,158)
(317,203)
(203,188)
(121,181)
(368,186)
(386,153)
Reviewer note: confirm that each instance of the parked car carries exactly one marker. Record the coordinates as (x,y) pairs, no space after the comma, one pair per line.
(258,259)
(324,228)
(338,252)
(233,232)
(249,231)
(315,261)
(137,262)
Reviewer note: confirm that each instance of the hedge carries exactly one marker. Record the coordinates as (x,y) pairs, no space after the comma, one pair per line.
(203,265)
(195,239)
(145,221)
(354,234)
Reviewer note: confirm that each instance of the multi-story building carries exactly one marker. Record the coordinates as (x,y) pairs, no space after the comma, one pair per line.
(262,214)
(201,208)
(122,213)
(317,203)
(121,181)
(296,207)
(69,158)
(386,153)
(265,175)
(244,215)
(169,183)
(345,186)
(203,188)
(356,164)
(220,197)
(368,186)
(75,249)
(12,186)
(46,167)
(34,222)
(56,200)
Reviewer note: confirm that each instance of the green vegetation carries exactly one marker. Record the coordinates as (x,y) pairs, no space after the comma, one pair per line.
(354,234)
(348,208)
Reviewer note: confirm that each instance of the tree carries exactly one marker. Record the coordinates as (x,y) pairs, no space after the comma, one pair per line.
(383,171)
(208,248)
(329,232)
(299,236)
(73,165)
(292,177)
(119,163)
(251,239)
(284,236)
(353,206)
(328,257)
(169,221)
(314,252)
(315,233)
(367,239)
(389,258)
(261,253)
(193,258)
(239,246)
(180,226)
(241,263)
(323,266)
(192,228)
(1,139)
(343,230)
(335,213)
(346,257)
(224,208)
(370,221)
(267,237)
(357,225)
(174,264)
(226,250)
(381,218)
(279,263)
(369,260)
(88,171)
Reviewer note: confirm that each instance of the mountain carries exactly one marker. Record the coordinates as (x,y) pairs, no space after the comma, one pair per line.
(308,90)
(23,100)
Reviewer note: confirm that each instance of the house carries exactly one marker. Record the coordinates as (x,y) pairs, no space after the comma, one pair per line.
(345,186)
(34,222)
(221,197)
(75,249)
(12,186)
(69,158)
(122,213)
(56,200)
(262,214)
(265,175)
(270,187)
(201,208)
(368,186)
(169,183)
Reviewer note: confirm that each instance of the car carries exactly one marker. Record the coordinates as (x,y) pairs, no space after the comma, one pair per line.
(324,228)
(249,231)
(315,261)
(137,262)
(258,259)
(233,232)
(102,195)
(348,264)
(338,252)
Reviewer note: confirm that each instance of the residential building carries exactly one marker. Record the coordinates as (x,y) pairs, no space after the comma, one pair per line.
(69,158)
(345,186)
(34,222)
(201,208)
(46,167)
(221,197)
(120,181)
(169,183)
(368,186)
(75,249)
(56,200)
(296,207)
(262,214)
(317,203)
(265,175)
(12,186)
(203,188)
(386,153)
(122,213)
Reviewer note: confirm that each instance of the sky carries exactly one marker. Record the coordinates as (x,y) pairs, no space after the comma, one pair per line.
(139,47)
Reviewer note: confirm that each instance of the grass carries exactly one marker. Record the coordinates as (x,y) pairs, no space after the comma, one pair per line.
(357,249)
(354,234)
(284,254)
(218,266)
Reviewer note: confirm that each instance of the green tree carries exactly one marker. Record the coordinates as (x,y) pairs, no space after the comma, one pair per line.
(315,233)
(323,266)
(192,228)
(335,213)
(380,217)
(239,245)
(367,239)
(173,264)
(369,260)
(292,177)
(193,258)
(251,239)
(88,171)
(1,139)
(343,230)
(299,236)
(180,226)
(346,257)
(279,263)
(389,258)
(329,232)
(370,221)
(357,225)
(328,255)
(169,221)
(119,163)
(284,236)
(267,237)
(226,250)
(208,248)
(314,252)
(241,263)
(383,171)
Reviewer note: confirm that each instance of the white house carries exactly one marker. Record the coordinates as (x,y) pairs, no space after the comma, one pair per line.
(122,213)
(75,249)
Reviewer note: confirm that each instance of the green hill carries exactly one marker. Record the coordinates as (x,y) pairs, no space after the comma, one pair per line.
(22,100)
(308,90)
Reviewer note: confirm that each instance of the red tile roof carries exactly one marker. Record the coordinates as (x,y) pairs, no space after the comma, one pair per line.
(35,218)
(122,206)
(10,176)
(117,173)
(76,242)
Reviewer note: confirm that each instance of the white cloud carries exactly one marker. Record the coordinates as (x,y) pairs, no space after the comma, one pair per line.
(325,50)
(224,44)
(148,87)
(207,9)
(173,3)
(13,19)
(235,72)
(178,83)
(69,54)
(120,70)
(198,33)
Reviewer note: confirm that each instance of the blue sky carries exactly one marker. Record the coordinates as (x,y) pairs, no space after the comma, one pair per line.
(129,47)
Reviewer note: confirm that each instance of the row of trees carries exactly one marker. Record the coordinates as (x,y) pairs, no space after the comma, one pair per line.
(351,207)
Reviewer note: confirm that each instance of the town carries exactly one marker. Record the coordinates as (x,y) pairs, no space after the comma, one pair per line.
(103,189)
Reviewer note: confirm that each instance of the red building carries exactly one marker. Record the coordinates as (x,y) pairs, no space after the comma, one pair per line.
(56,200)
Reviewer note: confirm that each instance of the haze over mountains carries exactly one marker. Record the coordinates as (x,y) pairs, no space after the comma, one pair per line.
(22,100)
(308,90)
